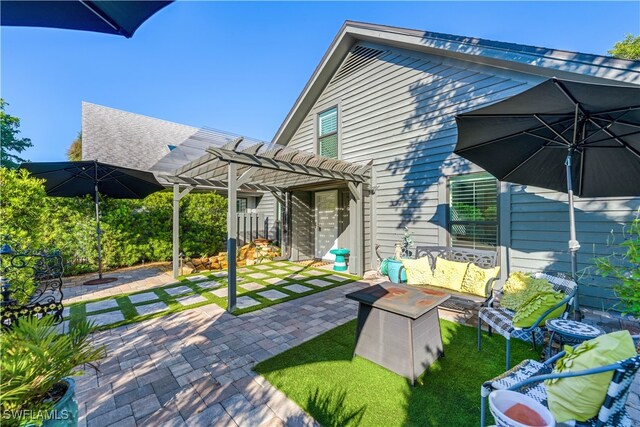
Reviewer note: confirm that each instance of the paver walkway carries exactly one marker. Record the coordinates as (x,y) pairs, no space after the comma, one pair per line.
(194,367)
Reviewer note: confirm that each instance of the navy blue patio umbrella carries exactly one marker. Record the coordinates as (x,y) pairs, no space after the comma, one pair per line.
(111,17)
(72,179)
(568,136)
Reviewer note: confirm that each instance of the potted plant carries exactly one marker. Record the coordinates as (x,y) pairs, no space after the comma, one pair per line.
(394,265)
(36,363)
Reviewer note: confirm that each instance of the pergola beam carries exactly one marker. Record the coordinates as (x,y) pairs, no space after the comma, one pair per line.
(177,196)
(232,228)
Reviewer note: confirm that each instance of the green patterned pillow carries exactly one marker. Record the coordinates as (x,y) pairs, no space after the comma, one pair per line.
(476,278)
(580,398)
(418,271)
(534,307)
(520,287)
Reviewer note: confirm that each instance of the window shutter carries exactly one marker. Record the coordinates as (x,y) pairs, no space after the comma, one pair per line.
(328,133)
(473,208)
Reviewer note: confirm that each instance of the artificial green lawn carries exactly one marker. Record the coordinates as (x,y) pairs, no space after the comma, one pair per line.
(289,274)
(337,390)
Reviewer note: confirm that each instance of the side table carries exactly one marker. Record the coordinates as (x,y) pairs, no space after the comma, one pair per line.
(570,331)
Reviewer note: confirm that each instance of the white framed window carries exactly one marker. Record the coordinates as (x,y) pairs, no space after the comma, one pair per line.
(473,211)
(241,205)
(328,144)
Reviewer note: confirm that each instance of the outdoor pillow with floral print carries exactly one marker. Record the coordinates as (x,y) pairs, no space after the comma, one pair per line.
(418,271)
(580,398)
(476,278)
(449,274)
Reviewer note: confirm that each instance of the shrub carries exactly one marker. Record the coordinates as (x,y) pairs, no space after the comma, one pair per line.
(624,265)
(133,230)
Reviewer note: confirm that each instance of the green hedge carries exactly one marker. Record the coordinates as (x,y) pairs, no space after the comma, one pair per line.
(133,230)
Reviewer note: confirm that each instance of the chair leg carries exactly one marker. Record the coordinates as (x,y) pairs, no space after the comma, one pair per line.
(508,353)
(490,330)
(479,334)
(483,409)
(533,338)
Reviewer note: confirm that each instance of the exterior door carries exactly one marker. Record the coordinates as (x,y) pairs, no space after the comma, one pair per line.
(326,223)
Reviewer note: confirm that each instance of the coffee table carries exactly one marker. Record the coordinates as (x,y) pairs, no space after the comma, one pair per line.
(398,327)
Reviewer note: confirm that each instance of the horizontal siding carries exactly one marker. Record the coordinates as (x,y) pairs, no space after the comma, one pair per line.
(399,111)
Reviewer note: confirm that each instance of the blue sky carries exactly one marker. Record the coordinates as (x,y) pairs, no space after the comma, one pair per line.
(240,66)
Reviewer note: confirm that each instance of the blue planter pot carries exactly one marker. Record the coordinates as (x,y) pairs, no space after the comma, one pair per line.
(394,274)
(65,411)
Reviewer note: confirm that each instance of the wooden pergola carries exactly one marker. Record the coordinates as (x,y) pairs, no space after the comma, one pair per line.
(210,160)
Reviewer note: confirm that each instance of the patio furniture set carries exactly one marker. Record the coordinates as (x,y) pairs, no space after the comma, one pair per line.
(398,328)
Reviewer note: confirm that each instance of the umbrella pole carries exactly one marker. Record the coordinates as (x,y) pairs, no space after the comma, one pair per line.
(574,245)
(98,232)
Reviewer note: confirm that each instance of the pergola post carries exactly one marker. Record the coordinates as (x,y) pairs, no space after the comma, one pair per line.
(177,196)
(356,221)
(232,228)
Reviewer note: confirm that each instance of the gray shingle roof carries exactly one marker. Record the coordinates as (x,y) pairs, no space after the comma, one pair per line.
(127,139)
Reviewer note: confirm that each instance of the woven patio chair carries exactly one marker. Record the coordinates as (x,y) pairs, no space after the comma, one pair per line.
(501,319)
(529,375)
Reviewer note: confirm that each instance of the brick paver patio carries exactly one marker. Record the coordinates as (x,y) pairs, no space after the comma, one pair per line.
(194,367)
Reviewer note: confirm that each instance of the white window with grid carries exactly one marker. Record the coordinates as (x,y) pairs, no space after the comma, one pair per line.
(328,145)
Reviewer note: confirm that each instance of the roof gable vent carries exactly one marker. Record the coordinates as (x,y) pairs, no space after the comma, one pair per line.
(358,58)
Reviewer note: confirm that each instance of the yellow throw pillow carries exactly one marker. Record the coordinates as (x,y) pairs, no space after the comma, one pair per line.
(521,287)
(476,278)
(418,271)
(449,274)
(580,398)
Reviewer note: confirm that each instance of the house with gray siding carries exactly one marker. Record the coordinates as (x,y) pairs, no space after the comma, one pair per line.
(390,96)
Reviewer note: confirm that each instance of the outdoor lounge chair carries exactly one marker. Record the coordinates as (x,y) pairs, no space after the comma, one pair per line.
(528,376)
(500,319)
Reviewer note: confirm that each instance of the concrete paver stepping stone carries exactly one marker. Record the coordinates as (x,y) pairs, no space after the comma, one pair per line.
(280,264)
(279,272)
(65,312)
(191,299)
(147,296)
(252,286)
(220,274)
(316,272)
(154,307)
(245,302)
(244,270)
(298,289)
(212,284)
(272,294)
(319,283)
(106,318)
(258,275)
(101,305)
(221,293)
(337,278)
(276,281)
(178,291)
(196,278)
(297,277)
(262,267)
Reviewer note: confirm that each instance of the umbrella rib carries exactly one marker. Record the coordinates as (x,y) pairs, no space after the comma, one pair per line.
(559,135)
(554,141)
(618,140)
(566,93)
(617,110)
(522,163)
(482,144)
